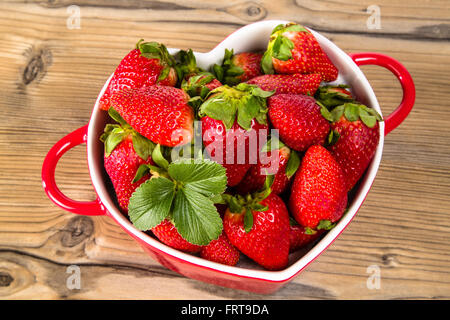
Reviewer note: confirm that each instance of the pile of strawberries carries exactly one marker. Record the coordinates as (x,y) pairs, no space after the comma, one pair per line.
(264,203)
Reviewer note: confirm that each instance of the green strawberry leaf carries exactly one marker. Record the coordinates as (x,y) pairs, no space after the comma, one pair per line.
(151,203)
(141,172)
(366,118)
(326,113)
(310,231)
(269,180)
(266,62)
(263,194)
(158,157)
(205,177)
(244,102)
(143,146)
(163,74)
(217,70)
(228,73)
(116,116)
(293,164)
(374,113)
(356,111)
(234,205)
(294,28)
(282,47)
(337,112)
(219,109)
(113,139)
(145,169)
(333,137)
(186,65)
(257,91)
(107,131)
(195,103)
(227,56)
(278,28)
(155,50)
(195,217)
(248,220)
(234,71)
(331,98)
(274,143)
(186,195)
(248,111)
(351,111)
(204,91)
(218,199)
(325,225)
(259,207)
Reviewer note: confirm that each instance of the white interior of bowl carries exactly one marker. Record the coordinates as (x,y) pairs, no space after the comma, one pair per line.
(249,38)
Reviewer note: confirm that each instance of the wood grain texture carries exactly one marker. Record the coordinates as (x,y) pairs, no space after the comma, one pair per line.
(51,76)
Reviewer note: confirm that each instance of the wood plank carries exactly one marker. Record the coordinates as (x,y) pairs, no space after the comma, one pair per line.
(418,19)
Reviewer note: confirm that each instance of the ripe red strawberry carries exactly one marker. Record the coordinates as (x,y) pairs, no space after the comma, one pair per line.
(232,121)
(318,195)
(223,144)
(121,166)
(260,230)
(159,113)
(287,83)
(221,251)
(275,163)
(298,120)
(293,49)
(358,135)
(125,152)
(299,237)
(148,64)
(237,68)
(168,234)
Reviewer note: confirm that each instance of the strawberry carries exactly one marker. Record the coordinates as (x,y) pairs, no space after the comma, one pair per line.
(237,68)
(232,119)
(148,64)
(298,120)
(222,145)
(299,236)
(125,151)
(357,132)
(259,229)
(276,163)
(333,96)
(186,65)
(192,78)
(294,49)
(221,251)
(200,84)
(288,83)
(159,113)
(318,194)
(168,234)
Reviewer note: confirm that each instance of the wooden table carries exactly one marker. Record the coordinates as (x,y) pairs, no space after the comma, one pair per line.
(51,73)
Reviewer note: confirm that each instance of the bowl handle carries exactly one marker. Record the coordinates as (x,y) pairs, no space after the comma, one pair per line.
(409,92)
(90,208)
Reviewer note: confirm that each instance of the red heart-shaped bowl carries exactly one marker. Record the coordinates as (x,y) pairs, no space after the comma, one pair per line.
(246,275)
